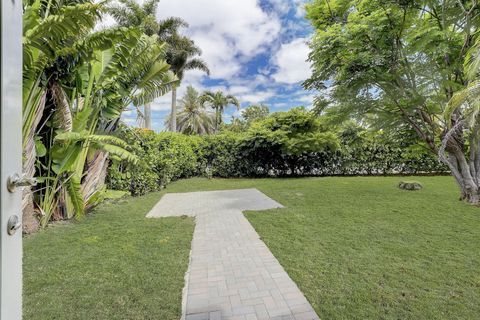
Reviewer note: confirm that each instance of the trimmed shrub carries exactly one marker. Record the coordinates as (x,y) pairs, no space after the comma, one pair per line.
(163,158)
(222,155)
(285,143)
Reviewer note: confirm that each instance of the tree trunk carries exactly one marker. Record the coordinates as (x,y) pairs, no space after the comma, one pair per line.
(63,111)
(148,115)
(217,119)
(95,175)
(173,115)
(461,171)
(30,222)
(463,168)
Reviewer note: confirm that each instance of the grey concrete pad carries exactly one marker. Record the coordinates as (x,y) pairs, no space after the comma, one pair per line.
(232,274)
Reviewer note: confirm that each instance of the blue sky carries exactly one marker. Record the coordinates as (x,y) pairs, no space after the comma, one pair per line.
(256,50)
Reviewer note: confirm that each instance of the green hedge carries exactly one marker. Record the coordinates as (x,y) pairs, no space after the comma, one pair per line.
(163,157)
(170,156)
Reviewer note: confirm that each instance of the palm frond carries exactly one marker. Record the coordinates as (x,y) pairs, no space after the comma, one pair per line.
(197,64)
(69,137)
(472,61)
(119,152)
(169,27)
(233,100)
(48,35)
(468,98)
(157,87)
(74,189)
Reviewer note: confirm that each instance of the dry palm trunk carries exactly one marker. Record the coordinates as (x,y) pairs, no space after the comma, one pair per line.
(97,169)
(63,113)
(95,174)
(64,121)
(30,222)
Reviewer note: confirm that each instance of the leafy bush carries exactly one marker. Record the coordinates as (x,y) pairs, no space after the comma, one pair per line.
(176,157)
(285,143)
(276,145)
(222,155)
(163,158)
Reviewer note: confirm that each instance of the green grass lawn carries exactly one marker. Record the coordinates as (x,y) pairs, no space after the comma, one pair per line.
(359,248)
(112,265)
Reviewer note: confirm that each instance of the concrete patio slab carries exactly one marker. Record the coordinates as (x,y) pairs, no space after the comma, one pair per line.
(232,274)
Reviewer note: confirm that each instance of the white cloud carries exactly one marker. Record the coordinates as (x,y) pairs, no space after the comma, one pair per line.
(291,63)
(278,105)
(231,34)
(228,31)
(129,121)
(239,90)
(281,6)
(307,98)
(300,8)
(129,113)
(219,54)
(106,21)
(257,96)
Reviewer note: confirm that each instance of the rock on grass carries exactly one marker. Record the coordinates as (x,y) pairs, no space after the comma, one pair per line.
(410,185)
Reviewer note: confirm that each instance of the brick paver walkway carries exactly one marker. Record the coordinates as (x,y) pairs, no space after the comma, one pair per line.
(232,273)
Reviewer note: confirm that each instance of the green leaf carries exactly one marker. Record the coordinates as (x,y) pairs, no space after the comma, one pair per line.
(74,189)
(40,148)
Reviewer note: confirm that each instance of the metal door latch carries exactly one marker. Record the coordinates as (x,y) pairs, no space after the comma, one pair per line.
(13,225)
(16,181)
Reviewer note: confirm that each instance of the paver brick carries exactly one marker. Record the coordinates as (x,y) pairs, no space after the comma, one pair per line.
(232,273)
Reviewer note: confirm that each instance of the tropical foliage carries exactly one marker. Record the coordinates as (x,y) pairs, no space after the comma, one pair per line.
(397,64)
(193,118)
(183,56)
(405,75)
(77,82)
(463,123)
(218,101)
(255,112)
(294,143)
(129,13)
(163,157)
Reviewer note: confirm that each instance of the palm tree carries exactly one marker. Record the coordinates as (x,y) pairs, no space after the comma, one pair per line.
(129,13)
(147,77)
(182,57)
(193,118)
(92,76)
(218,101)
(47,32)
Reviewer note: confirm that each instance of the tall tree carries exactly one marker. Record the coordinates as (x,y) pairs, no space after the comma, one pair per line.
(219,101)
(398,63)
(192,117)
(255,112)
(462,116)
(128,13)
(182,57)
(76,84)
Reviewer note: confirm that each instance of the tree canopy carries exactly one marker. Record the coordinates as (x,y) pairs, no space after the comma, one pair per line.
(395,64)
(192,117)
(218,101)
(255,112)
